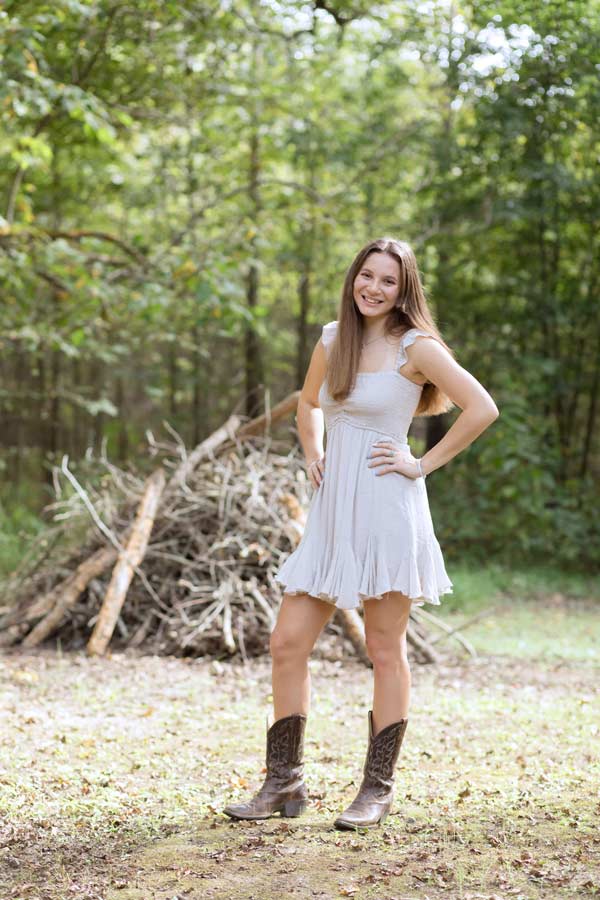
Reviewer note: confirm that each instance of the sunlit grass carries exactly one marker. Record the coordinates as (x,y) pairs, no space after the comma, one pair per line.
(535,614)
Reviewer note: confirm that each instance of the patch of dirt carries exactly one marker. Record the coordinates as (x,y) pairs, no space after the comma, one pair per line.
(114,772)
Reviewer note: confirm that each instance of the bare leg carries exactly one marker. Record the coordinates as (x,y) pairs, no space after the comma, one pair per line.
(299,623)
(386,621)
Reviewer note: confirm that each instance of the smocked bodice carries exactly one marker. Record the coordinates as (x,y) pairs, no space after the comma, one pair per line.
(383,401)
(380,401)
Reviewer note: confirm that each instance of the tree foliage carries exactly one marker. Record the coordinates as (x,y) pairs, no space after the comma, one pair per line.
(185,183)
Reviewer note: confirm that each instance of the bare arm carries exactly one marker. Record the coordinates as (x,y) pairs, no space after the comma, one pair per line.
(309,416)
(478,409)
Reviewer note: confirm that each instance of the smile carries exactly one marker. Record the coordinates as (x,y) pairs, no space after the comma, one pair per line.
(371,302)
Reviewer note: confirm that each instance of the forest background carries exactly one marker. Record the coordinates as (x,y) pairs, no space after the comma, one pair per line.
(184,184)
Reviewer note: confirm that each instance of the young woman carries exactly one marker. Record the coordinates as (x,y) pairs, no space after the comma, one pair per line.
(369,535)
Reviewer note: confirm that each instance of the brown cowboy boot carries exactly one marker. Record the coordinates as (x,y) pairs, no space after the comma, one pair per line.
(283,789)
(376,794)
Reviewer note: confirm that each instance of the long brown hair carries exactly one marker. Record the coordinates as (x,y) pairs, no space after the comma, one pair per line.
(411,311)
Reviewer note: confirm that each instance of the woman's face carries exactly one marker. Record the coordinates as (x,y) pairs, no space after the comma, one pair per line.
(376,285)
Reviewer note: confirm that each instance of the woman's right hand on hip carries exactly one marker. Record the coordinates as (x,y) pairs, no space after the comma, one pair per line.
(315,470)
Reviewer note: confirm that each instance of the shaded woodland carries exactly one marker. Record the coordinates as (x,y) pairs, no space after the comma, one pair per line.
(184,184)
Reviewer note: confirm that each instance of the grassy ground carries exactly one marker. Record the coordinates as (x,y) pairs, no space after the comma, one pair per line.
(113,772)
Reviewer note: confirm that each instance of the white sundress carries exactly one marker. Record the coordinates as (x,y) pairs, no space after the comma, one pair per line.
(367,534)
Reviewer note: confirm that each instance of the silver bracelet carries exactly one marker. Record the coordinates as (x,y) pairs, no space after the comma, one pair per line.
(419,469)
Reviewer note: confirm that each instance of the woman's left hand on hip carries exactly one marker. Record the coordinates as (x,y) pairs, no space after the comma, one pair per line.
(388,458)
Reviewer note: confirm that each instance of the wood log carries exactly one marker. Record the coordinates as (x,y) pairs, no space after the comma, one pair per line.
(223,437)
(17,614)
(354,629)
(36,610)
(420,643)
(126,563)
(142,632)
(66,594)
(261,423)
(446,630)
(51,606)
(12,635)
(204,448)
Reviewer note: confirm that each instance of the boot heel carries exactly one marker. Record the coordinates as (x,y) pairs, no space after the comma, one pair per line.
(294,808)
(283,791)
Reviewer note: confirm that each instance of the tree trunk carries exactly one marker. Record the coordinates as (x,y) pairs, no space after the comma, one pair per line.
(304,298)
(199,391)
(253,357)
(305,252)
(121,403)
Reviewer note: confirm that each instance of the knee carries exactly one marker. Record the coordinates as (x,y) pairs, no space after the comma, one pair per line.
(387,652)
(286,646)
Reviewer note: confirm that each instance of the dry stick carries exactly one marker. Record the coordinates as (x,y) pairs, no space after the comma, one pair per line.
(70,589)
(141,633)
(254,591)
(54,603)
(476,618)
(64,595)
(36,610)
(12,635)
(240,628)
(21,574)
(104,528)
(208,445)
(89,505)
(227,630)
(414,637)
(279,411)
(447,629)
(127,562)
(354,630)
(233,428)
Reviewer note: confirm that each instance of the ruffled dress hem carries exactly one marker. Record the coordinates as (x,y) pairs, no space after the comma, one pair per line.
(421,576)
(417,601)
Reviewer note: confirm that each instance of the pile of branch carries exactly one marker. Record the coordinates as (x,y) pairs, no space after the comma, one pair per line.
(179,565)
